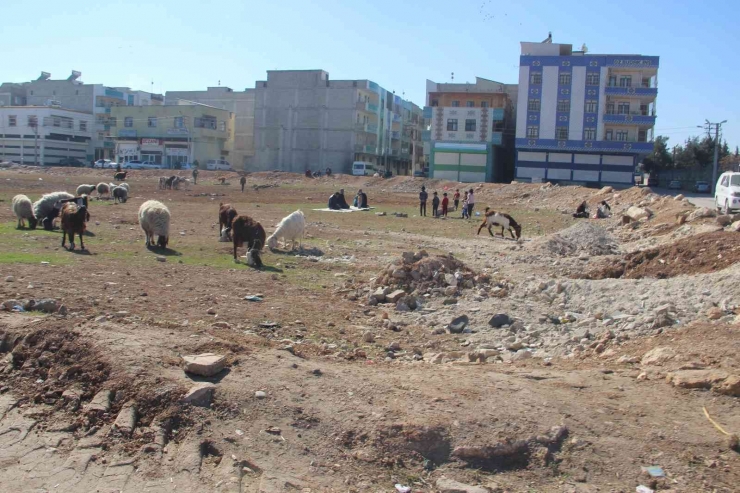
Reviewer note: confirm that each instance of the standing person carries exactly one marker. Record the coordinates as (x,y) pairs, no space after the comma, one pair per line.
(243,181)
(471,203)
(435,205)
(195,176)
(423,196)
(456,198)
(465,206)
(445,203)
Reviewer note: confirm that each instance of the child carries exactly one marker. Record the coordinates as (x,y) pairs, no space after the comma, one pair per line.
(423,201)
(465,206)
(445,202)
(456,198)
(435,205)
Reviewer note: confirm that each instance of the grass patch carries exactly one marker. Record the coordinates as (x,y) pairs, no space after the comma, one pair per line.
(56,258)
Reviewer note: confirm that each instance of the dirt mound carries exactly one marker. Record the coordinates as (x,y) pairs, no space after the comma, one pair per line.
(420,272)
(693,255)
(582,237)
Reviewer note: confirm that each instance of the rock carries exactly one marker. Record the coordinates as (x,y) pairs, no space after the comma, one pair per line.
(450,290)
(667,308)
(402,307)
(368,337)
(606,189)
(680,219)
(515,346)
(161,258)
(474,356)
(126,420)
(408,257)
(201,394)
(521,355)
(100,403)
(379,294)
(700,213)
(628,359)
(399,274)
(449,301)
(695,379)
(380,213)
(724,220)
(260,394)
(679,197)
(211,311)
(62,310)
(499,320)
(714,313)
(445,485)
(10,279)
(730,386)
(206,364)
(638,213)
(642,377)
(735,226)
(395,296)
(394,346)
(221,325)
(458,324)
(658,356)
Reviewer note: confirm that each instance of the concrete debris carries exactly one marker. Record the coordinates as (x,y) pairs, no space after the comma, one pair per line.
(200,394)
(206,364)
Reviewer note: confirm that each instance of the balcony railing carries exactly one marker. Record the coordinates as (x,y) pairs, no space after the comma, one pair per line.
(367,107)
(633,118)
(613,90)
(371,128)
(368,149)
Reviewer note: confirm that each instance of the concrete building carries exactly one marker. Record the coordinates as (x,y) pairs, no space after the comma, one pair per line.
(470,127)
(170,135)
(304,120)
(12,94)
(240,103)
(43,134)
(583,118)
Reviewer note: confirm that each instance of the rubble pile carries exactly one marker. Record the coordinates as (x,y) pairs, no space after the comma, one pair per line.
(583,237)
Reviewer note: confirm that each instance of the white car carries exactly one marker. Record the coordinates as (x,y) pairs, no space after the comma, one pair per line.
(136,164)
(105,164)
(727,192)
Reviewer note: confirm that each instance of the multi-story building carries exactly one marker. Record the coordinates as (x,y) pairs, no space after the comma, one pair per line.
(43,135)
(172,134)
(583,117)
(12,94)
(304,120)
(241,103)
(467,133)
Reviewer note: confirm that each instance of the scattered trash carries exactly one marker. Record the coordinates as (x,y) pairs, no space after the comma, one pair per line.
(18,308)
(239,432)
(654,471)
(403,489)
(274,430)
(252,297)
(732,442)
(269,325)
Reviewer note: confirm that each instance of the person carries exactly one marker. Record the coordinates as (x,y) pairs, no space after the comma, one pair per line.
(243,181)
(435,205)
(361,199)
(456,198)
(581,210)
(195,176)
(471,203)
(334,202)
(603,211)
(445,204)
(328,171)
(342,201)
(465,206)
(423,196)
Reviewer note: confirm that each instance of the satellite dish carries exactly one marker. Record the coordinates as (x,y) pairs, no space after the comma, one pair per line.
(584,48)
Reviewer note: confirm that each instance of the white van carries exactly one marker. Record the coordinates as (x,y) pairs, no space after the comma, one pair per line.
(362,168)
(218,164)
(727,192)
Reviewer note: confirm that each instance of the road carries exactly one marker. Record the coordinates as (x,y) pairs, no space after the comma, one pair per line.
(698,199)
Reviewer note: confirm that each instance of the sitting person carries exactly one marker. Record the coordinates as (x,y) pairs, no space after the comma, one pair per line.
(582,210)
(328,171)
(308,173)
(334,202)
(342,201)
(361,199)
(603,211)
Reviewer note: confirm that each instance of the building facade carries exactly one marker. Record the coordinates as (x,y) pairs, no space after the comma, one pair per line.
(43,135)
(240,103)
(304,120)
(582,117)
(171,135)
(469,127)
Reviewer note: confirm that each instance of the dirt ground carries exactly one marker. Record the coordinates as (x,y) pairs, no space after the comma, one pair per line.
(327,390)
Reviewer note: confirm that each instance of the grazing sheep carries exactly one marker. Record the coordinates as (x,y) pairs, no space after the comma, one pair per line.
(176,182)
(73,221)
(290,228)
(169,182)
(500,219)
(46,208)
(120,194)
(162,182)
(85,189)
(226,214)
(103,188)
(120,176)
(126,186)
(244,228)
(154,219)
(23,209)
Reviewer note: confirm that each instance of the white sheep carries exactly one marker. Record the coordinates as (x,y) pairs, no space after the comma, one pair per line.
(45,205)
(154,219)
(23,209)
(290,228)
(126,186)
(85,189)
(103,188)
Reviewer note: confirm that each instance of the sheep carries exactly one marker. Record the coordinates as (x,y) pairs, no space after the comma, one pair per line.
(290,228)
(23,209)
(226,214)
(154,219)
(176,182)
(85,189)
(244,228)
(120,194)
(73,221)
(500,219)
(120,176)
(169,182)
(46,208)
(126,186)
(103,188)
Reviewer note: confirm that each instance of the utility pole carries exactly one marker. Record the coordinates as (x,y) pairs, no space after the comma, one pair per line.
(717,126)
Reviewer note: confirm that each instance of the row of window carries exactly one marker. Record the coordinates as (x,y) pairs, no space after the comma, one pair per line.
(56,121)
(592,78)
(561,133)
(468,104)
(469,125)
(591,106)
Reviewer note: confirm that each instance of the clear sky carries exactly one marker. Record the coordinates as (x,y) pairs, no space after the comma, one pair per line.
(189,44)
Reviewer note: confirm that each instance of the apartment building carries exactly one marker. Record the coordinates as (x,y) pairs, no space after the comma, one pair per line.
(12,94)
(583,117)
(240,103)
(172,134)
(469,127)
(304,120)
(43,135)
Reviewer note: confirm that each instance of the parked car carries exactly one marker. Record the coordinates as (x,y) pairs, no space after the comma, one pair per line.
(136,164)
(674,185)
(727,192)
(105,164)
(652,182)
(150,165)
(71,161)
(419,174)
(219,164)
(362,168)
(702,187)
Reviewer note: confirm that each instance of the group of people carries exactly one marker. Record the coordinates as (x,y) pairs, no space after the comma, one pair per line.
(317,174)
(338,202)
(603,211)
(467,205)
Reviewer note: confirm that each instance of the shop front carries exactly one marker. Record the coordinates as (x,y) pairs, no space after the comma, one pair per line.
(176,155)
(152,150)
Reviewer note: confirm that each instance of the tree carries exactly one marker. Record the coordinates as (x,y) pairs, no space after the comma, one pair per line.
(660,158)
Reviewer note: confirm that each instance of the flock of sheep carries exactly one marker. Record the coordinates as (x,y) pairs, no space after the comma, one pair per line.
(154,219)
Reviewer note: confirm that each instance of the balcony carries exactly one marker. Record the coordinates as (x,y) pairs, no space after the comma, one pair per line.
(367,149)
(643,92)
(396,134)
(497,138)
(371,128)
(426,135)
(367,107)
(633,118)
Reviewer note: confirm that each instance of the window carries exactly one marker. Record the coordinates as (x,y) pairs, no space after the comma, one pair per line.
(33,121)
(642,136)
(644,110)
(609,108)
(455,104)
(128,121)
(564,79)
(625,81)
(589,134)
(623,108)
(592,79)
(83,126)
(609,135)
(152,121)
(222,126)
(622,136)
(612,81)
(435,102)
(535,78)
(533,105)
(484,104)
(470,125)
(564,105)
(725,181)
(561,133)
(12,120)
(56,121)
(533,132)
(113,121)
(470,104)
(591,106)
(179,123)
(452,124)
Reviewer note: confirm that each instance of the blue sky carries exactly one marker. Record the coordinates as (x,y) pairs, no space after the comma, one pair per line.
(188,44)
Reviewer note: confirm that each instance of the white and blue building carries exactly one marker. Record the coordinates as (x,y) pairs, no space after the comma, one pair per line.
(583,118)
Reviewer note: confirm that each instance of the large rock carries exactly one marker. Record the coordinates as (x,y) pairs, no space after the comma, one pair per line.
(606,189)
(126,420)
(399,274)
(408,257)
(100,403)
(200,394)
(714,313)
(695,379)
(638,213)
(458,324)
(724,220)
(702,212)
(730,386)
(499,320)
(658,356)
(395,296)
(206,364)
(445,485)
(379,294)
(735,226)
